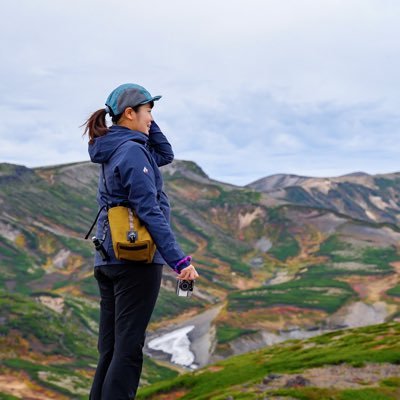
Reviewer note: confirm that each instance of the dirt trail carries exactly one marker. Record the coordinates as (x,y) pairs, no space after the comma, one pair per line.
(377,288)
(372,289)
(309,242)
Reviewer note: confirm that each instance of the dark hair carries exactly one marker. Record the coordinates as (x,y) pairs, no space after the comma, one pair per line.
(96,125)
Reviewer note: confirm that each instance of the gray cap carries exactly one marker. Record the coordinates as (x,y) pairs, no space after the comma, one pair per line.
(128,95)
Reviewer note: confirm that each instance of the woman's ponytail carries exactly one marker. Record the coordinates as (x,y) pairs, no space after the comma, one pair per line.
(96,125)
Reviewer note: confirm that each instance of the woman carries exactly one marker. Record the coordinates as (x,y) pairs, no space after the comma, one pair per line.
(130,151)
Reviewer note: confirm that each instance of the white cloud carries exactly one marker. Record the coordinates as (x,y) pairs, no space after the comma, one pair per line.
(288,85)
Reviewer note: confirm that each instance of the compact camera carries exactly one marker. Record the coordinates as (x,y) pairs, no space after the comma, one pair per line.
(98,244)
(184,288)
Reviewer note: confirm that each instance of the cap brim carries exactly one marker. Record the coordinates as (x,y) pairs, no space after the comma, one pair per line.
(155,98)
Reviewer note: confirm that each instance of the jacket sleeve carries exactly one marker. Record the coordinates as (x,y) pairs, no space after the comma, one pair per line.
(138,179)
(160,148)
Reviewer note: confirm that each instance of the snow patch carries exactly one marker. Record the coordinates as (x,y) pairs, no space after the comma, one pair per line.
(177,344)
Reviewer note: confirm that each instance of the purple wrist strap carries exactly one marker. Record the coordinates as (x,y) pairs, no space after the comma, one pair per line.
(185,260)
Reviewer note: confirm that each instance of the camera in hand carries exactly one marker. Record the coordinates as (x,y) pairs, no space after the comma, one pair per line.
(184,288)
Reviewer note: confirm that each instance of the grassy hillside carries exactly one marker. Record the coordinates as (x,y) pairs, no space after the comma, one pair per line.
(54,349)
(274,266)
(321,365)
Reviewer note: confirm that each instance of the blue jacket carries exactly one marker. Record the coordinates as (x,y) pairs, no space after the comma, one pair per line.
(131,160)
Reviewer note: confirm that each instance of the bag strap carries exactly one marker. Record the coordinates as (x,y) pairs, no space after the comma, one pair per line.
(94,223)
(102,208)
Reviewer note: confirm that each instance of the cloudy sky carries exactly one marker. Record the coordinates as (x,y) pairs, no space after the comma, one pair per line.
(250,88)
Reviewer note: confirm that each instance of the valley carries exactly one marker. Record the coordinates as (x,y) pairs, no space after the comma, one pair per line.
(273,267)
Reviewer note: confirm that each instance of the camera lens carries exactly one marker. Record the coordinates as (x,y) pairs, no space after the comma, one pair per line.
(185,285)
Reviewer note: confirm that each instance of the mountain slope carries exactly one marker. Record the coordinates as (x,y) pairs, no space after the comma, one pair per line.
(360,364)
(285,269)
(374,198)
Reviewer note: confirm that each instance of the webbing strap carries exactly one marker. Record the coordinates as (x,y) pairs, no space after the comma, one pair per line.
(131,226)
(98,214)
(94,223)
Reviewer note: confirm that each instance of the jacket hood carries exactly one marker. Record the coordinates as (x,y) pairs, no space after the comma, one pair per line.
(103,147)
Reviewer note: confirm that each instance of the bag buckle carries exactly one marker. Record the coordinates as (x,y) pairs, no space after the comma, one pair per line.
(132,236)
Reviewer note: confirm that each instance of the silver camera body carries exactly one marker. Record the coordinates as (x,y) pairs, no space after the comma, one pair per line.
(184,288)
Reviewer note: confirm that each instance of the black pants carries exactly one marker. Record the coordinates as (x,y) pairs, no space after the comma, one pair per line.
(128,296)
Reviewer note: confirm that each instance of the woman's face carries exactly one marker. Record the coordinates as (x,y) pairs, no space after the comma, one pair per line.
(140,120)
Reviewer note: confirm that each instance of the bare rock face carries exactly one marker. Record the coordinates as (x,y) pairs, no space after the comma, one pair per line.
(297,381)
(269,378)
(8,231)
(277,182)
(374,198)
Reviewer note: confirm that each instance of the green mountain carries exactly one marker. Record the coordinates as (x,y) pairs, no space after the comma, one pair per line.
(270,270)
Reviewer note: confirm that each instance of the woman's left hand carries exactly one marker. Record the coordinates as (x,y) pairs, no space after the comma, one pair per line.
(188,274)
